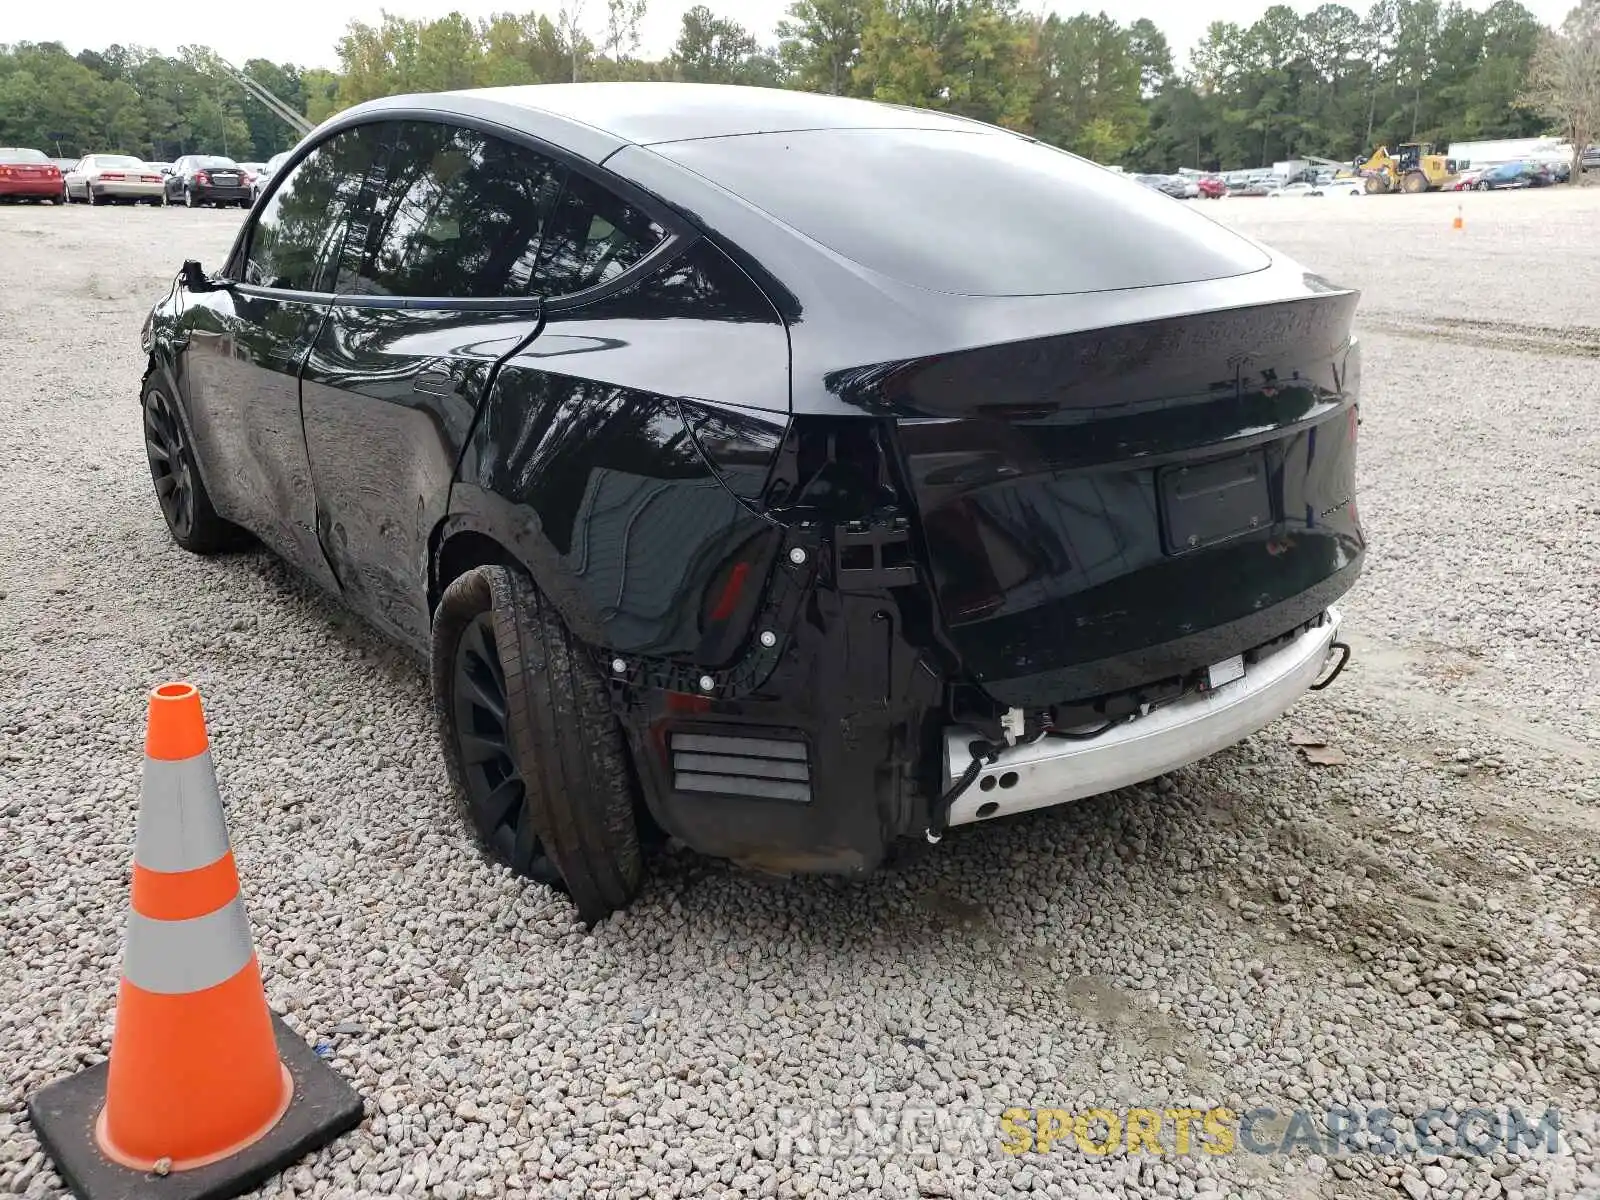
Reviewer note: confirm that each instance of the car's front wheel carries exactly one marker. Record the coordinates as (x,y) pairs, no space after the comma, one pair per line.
(534,752)
(185,504)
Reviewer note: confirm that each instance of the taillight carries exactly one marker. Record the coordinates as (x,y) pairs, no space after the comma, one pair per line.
(112,175)
(732,592)
(730,598)
(6,172)
(202,177)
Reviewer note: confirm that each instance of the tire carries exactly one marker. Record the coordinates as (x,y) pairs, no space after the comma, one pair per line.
(188,199)
(244,204)
(88,195)
(546,785)
(181,493)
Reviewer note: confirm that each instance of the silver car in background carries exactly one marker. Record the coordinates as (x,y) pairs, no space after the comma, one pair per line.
(100,177)
(263,177)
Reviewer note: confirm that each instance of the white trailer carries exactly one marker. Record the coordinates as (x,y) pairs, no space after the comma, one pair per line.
(1478,155)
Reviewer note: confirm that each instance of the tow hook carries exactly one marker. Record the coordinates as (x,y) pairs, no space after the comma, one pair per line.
(1344,656)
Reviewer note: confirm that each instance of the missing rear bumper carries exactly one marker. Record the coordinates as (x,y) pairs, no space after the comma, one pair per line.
(1054,771)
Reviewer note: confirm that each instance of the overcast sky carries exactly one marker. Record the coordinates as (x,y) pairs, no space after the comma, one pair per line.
(304,31)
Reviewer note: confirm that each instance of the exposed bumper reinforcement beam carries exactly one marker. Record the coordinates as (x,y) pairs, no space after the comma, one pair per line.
(1054,771)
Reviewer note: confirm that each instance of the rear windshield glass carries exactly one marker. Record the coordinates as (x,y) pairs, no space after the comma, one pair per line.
(214,160)
(984,214)
(11,154)
(116,160)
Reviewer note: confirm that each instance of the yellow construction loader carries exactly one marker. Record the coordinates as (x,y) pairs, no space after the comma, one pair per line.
(1416,168)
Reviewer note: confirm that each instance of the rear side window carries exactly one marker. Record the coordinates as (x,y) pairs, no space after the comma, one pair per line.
(972,213)
(455,213)
(295,241)
(465,214)
(594,236)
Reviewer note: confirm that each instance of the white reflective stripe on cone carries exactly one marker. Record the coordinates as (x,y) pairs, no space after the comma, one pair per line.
(180,815)
(177,957)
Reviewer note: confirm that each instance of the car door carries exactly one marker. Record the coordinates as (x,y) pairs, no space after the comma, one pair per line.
(437,287)
(248,340)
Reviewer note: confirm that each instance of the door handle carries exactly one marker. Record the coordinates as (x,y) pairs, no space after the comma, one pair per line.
(435,383)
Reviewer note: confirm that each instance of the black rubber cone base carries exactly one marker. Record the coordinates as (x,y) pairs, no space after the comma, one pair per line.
(64,1113)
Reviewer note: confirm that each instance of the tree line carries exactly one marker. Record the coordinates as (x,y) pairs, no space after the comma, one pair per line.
(1334,82)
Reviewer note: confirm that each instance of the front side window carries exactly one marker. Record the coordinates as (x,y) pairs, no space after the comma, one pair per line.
(295,240)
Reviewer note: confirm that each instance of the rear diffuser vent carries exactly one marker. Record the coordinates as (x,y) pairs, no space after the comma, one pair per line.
(765,768)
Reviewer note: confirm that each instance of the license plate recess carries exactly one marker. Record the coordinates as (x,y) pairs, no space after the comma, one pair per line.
(1206,503)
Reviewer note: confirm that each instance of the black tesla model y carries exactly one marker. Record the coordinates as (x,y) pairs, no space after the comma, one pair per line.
(787,473)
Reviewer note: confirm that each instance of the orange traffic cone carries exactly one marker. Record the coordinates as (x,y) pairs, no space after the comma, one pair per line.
(1458,223)
(194,1073)
(195,1088)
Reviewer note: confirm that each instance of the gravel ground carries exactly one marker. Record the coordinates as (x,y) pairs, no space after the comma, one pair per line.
(1416,928)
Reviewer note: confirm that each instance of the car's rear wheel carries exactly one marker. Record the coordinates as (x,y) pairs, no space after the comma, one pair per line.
(534,752)
(185,504)
(188,199)
(89,196)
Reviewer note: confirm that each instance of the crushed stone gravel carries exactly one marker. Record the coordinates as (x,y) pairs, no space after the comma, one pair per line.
(1415,928)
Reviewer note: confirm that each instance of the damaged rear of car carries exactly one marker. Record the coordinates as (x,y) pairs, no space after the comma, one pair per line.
(1065,501)
(789,473)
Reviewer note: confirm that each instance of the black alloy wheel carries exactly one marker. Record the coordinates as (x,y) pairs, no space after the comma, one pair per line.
(181,493)
(495,792)
(537,759)
(169,466)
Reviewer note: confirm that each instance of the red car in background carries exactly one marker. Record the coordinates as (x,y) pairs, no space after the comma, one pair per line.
(1212,187)
(28,175)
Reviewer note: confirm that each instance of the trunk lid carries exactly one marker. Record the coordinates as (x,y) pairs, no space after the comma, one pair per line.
(1107,509)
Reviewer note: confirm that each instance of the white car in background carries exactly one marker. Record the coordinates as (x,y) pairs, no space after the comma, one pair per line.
(100,177)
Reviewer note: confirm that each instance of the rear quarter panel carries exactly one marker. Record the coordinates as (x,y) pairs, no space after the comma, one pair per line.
(581,465)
